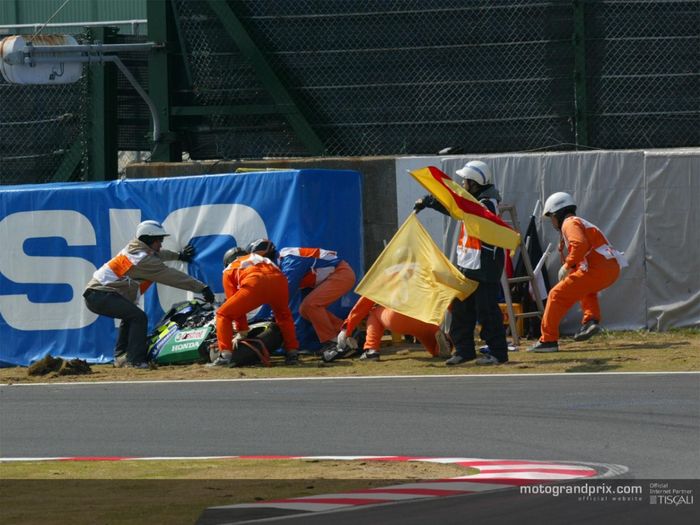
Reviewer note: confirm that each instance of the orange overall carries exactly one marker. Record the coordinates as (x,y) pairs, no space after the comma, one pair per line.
(380,318)
(594,266)
(329,277)
(249,282)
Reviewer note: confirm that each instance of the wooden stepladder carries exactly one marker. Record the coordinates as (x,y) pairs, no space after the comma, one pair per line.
(509,214)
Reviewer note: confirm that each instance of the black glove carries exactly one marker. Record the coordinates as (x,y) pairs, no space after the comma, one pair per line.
(208,295)
(187,253)
(424,202)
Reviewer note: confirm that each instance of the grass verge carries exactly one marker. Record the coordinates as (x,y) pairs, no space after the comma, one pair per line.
(174,492)
(631,351)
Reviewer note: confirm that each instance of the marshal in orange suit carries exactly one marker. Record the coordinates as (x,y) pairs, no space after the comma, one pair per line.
(589,265)
(250,281)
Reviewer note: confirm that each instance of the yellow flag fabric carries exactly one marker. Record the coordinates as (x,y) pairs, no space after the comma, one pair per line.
(413,277)
(480,222)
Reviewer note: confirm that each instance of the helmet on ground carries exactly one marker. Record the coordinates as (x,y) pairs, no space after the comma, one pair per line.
(264,247)
(557,201)
(150,229)
(234,253)
(477,171)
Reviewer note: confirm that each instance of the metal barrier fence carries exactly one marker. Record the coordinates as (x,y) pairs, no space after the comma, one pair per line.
(45,133)
(379,77)
(376,77)
(39,126)
(643,73)
(415,76)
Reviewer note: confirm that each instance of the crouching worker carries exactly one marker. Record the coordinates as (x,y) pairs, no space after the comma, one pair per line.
(116,286)
(589,264)
(328,277)
(379,319)
(251,280)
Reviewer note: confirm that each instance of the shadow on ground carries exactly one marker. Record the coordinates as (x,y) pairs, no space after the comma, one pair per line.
(643,345)
(582,365)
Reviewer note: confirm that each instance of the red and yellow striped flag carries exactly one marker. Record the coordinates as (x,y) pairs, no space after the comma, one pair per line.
(461,205)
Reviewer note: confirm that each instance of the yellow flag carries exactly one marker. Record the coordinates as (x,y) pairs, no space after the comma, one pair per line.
(413,277)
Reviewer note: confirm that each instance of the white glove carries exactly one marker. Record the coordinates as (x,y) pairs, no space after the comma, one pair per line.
(241,335)
(564,271)
(344,340)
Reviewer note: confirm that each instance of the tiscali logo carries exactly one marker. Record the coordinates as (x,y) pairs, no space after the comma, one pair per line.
(671,500)
(663,493)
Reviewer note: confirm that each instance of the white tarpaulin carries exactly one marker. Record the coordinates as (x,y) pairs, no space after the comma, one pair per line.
(640,200)
(672,223)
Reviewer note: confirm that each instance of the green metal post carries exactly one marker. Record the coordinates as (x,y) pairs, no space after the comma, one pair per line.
(71,162)
(12,10)
(581,98)
(161,30)
(102,135)
(267,76)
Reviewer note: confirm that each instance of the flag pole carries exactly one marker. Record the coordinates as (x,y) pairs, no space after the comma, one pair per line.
(543,259)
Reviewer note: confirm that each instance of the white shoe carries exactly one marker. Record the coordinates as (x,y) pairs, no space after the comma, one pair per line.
(336,353)
(120,361)
(544,347)
(224,359)
(370,355)
(444,347)
(587,331)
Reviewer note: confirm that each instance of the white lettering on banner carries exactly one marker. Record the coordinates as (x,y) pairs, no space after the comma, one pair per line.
(122,227)
(241,222)
(17,310)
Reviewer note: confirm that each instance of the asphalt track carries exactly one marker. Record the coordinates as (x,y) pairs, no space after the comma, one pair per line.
(507,507)
(647,422)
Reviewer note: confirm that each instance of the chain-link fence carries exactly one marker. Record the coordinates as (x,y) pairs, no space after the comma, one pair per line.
(38,127)
(133,118)
(375,77)
(643,70)
(393,77)
(45,129)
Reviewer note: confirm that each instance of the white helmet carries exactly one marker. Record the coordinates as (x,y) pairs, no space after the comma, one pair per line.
(557,201)
(477,171)
(151,229)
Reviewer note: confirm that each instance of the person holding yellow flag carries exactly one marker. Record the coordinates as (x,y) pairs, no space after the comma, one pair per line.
(480,262)
(408,290)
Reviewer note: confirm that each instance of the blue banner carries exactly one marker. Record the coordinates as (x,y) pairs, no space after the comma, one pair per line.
(54,236)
